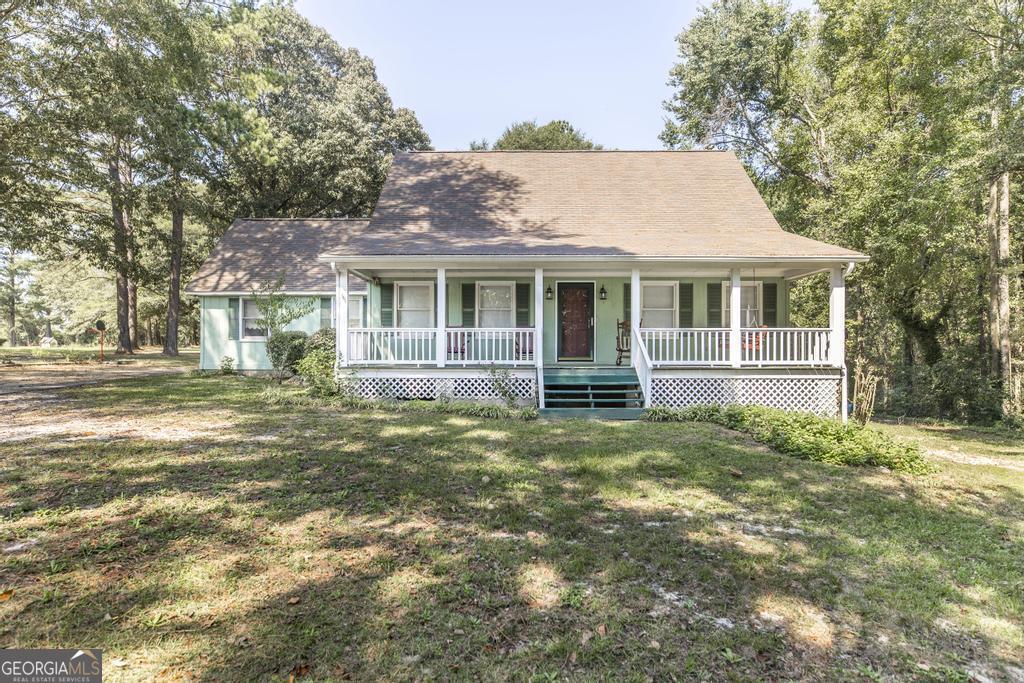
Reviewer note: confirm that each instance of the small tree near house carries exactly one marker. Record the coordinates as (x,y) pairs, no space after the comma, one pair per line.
(277,310)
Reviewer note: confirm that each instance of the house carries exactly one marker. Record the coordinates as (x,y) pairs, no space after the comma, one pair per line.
(599,282)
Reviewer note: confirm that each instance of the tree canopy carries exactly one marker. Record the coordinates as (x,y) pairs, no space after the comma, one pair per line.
(527,135)
(892,128)
(133,131)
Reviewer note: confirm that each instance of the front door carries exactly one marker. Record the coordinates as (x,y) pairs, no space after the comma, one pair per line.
(576,321)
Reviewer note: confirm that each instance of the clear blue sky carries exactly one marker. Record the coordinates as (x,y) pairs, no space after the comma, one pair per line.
(470,68)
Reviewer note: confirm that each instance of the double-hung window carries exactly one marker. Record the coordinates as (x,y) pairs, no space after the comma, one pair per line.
(251,328)
(751,304)
(355,310)
(414,304)
(495,304)
(659,304)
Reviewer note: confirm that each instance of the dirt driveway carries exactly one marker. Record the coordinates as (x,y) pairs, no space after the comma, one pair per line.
(19,377)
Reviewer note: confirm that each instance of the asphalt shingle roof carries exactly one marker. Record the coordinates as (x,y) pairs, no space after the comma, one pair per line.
(587,203)
(254,251)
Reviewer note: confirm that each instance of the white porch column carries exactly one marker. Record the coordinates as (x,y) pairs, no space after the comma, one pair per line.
(735,316)
(837,318)
(837,323)
(341,317)
(538,331)
(442,317)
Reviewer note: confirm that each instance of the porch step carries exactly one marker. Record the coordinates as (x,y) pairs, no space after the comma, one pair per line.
(592,413)
(607,393)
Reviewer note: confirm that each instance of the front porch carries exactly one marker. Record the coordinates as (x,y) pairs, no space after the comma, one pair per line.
(710,333)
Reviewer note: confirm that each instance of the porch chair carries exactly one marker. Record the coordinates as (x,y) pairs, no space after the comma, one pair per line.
(752,340)
(623,339)
(526,355)
(456,345)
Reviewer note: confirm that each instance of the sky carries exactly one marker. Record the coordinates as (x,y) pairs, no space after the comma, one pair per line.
(469,69)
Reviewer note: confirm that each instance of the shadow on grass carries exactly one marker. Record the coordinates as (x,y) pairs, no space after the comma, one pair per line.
(374,545)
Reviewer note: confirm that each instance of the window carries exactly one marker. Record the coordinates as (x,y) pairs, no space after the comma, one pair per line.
(659,304)
(495,304)
(326,312)
(751,304)
(355,311)
(414,304)
(250,315)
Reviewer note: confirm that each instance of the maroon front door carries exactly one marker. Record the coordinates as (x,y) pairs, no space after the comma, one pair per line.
(576,321)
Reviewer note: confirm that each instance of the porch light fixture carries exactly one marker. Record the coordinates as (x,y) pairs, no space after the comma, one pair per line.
(548,294)
(603,293)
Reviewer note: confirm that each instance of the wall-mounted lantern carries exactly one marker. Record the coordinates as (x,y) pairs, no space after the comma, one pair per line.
(549,294)
(603,293)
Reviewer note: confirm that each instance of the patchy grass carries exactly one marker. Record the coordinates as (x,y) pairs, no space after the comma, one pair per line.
(147,357)
(192,530)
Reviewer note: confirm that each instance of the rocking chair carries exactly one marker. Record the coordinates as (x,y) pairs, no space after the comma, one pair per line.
(623,339)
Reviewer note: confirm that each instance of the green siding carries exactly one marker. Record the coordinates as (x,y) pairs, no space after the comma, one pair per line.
(216,330)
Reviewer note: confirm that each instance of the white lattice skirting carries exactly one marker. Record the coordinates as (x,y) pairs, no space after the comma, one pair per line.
(818,395)
(427,387)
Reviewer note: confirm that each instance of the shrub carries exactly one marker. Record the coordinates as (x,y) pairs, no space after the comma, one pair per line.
(503,385)
(806,436)
(285,350)
(227,365)
(322,340)
(317,370)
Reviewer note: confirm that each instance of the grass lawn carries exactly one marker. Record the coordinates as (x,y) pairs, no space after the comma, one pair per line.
(192,529)
(150,356)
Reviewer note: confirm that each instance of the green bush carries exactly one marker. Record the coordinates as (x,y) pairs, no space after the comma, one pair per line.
(806,436)
(227,365)
(317,370)
(322,340)
(286,349)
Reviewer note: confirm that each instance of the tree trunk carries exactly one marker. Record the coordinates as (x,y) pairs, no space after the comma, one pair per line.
(12,306)
(124,340)
(133,314)
(174,281)
(998,223)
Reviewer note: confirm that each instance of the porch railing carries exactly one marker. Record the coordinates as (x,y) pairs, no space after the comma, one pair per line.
(785,345)
(686,346)
(704,347)
(392,345)
(462,346)
(643,365)
(483,346)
